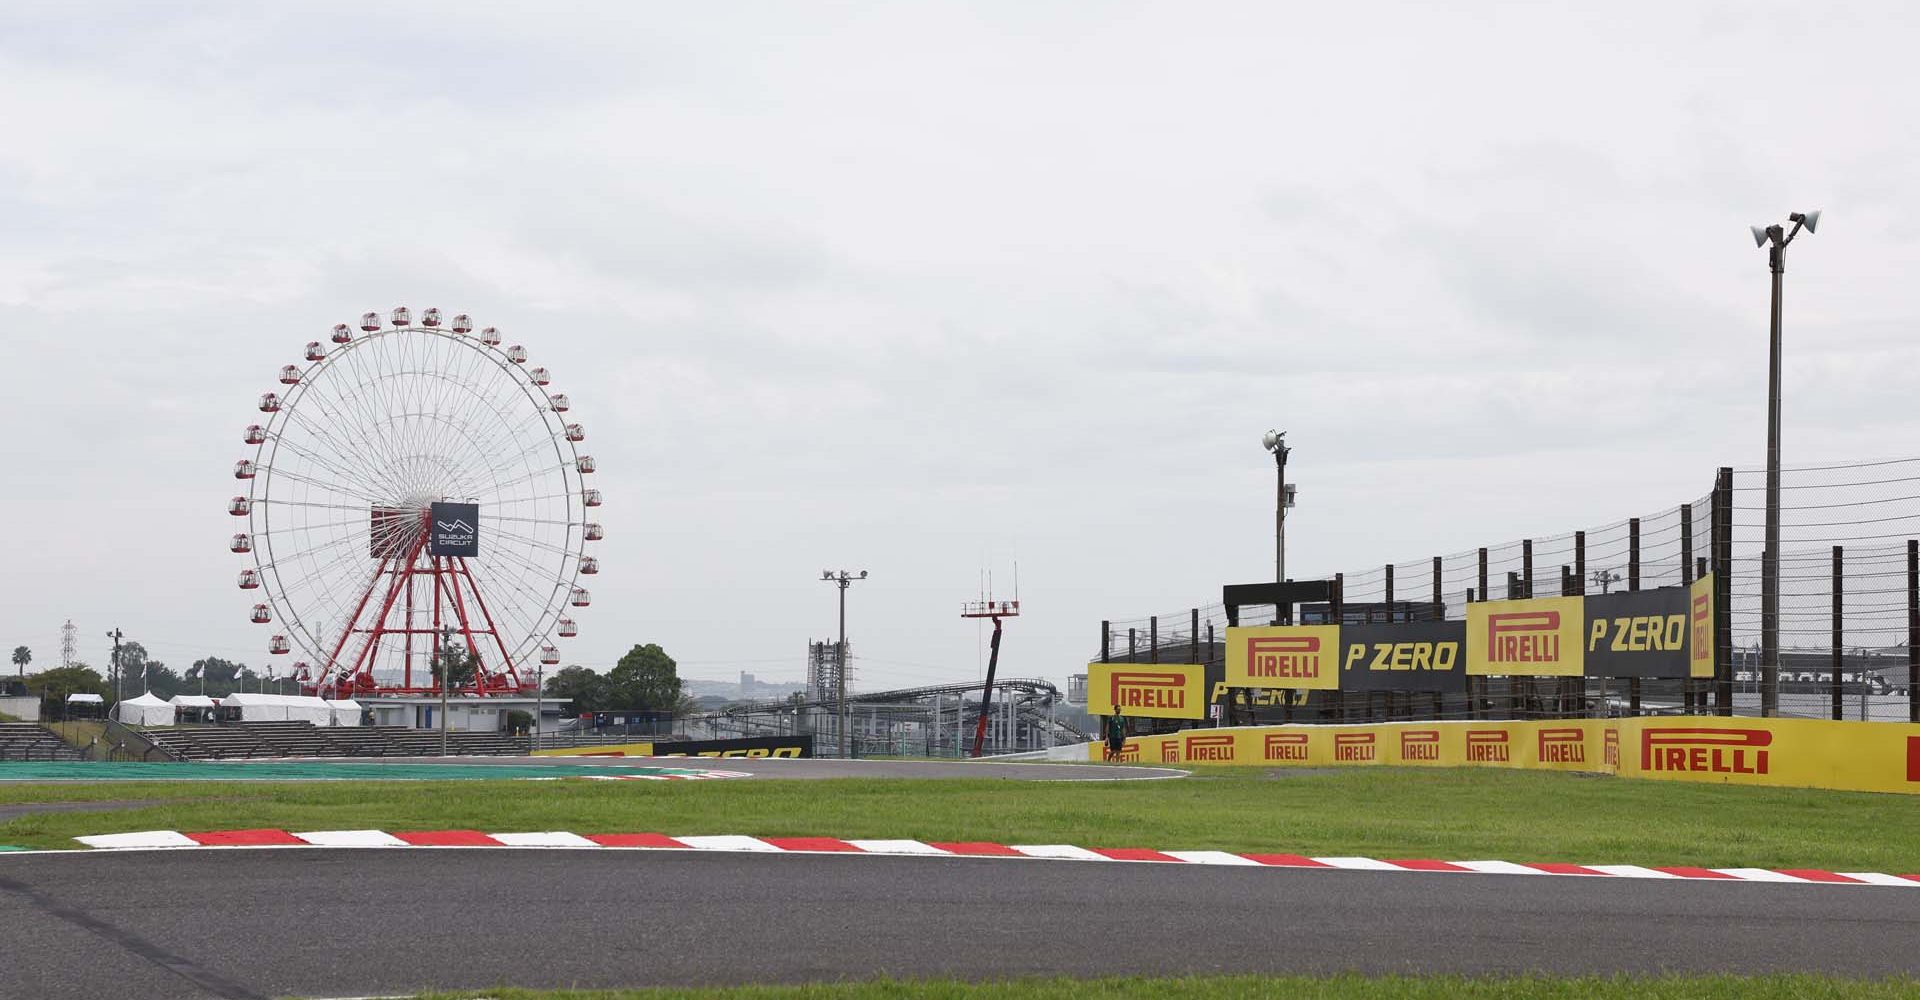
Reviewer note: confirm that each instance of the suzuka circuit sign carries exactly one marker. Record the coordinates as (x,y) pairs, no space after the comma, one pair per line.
(454,530)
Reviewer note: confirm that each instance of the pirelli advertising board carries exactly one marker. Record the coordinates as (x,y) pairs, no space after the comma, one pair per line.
(1800,753)
(1641,633)
(1150,690)
(1700,627)
(1541,637)
(1296,657)
(1417,656)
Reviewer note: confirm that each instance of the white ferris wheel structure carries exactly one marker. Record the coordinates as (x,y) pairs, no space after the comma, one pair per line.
(416,489)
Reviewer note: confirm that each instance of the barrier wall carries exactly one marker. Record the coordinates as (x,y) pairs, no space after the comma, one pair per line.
(1803,753)
(747,746)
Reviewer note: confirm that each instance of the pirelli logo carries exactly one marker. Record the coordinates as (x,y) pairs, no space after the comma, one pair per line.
(1488,746)
(1284,658)
(1354,747)
(1286,746)
(1212,747)
(1169,751)
(1294,657)
(1521,638)
(1563,746)
(1705,751)
(1610,747)
(1420,744)
(1140,689)
(1129,752)
(1913,758)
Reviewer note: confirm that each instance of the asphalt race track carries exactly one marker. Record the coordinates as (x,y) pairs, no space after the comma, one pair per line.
(256,924)
(423,768)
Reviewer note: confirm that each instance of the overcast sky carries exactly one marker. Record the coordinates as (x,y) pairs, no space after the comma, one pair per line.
(926,289)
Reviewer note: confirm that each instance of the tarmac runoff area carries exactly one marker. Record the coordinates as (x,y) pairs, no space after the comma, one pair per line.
(545,768)
(241,923)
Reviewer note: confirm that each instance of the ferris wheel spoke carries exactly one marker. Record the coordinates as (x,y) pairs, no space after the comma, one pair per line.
(366,482)
(368,474)
(331,487)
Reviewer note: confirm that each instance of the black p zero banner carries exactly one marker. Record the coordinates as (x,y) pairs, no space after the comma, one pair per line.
(751,746)
(1637,633)
(1413,656)
(453,529)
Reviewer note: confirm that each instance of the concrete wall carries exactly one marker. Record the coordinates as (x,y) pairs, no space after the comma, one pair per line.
(25,708)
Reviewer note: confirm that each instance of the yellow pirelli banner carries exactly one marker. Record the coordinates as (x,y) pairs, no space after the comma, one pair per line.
(1802,753)
(605,750)
(1700,627)
(1152,690)
(1296,657)
(1537,637)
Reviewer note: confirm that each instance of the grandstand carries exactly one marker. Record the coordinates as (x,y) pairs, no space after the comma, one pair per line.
(27,741)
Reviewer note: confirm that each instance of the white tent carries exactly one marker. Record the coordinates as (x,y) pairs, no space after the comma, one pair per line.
(146,710)
(279,708)
(191,701)
(346,712)
(85,698)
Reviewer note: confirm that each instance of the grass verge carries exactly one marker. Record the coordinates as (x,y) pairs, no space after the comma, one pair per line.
(1392,813)
(1262,987)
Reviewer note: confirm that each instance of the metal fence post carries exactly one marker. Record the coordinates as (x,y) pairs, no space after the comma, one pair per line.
(1483,575)
(1439,594)
(1153,639)
(1688,690)
(1389,592)
(1913,630)
(1633,583)
(1106,640)
(1839,631)
(1723,590)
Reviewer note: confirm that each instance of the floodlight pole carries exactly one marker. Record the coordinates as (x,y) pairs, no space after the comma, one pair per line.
(844,579)
(1775,238)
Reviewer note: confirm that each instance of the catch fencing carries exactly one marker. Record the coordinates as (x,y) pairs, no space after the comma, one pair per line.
(1848,633)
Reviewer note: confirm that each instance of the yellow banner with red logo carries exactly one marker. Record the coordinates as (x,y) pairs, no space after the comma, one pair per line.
(1700,627)
(1152,690)
(1297,657)
(1537,637)
(1800,753)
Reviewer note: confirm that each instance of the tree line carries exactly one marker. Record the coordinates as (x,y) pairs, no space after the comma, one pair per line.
(646,679)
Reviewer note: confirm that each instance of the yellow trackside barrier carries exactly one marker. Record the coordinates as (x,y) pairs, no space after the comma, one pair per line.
(612,750)
(1801,753)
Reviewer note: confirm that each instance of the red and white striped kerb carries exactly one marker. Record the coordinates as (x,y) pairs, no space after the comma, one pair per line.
(737,843)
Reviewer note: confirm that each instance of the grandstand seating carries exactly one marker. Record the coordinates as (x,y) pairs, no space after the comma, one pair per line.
(304,739)
(27,741)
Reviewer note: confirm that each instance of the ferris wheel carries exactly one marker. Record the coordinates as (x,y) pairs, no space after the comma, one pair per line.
(415,488)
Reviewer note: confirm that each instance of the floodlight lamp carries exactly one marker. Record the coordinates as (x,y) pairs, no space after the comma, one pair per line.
(1759,235)
(863,574)
(1272,440)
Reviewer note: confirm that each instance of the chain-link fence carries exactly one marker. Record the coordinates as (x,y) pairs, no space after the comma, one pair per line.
(1849,599)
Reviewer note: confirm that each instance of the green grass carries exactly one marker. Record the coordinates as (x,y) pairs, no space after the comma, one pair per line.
(1393,813)
(1263,987)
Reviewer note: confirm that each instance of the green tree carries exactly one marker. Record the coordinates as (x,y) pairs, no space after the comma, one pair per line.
(584,688)
(222,676)
(54,685)
(21,657)
(646,679)
(463,666)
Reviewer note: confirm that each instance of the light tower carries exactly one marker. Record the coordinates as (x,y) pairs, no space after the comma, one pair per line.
(845,580)
(987,607)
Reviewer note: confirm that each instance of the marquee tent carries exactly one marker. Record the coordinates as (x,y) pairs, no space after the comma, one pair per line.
(193,706)
(279,708)
(346,712)
(146,710)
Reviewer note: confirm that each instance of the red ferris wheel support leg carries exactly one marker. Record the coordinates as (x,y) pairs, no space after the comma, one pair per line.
(333,659)
(506,661)
(466,626)
(379,628)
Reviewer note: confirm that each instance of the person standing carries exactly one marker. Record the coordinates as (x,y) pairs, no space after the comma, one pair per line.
(1116,732)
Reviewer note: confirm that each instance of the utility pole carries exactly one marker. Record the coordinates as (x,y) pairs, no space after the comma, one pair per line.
(116,635)
(844,579)
(1775,239)
(1276,442)
(445,652)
